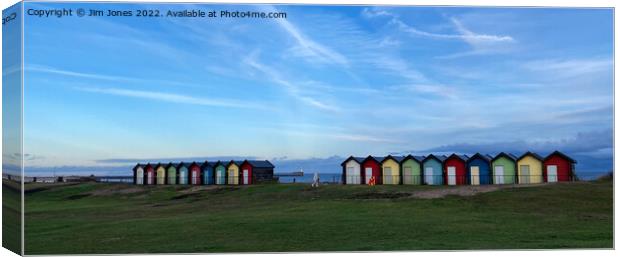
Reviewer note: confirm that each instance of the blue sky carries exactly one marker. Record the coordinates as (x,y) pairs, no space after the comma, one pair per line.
(327,81)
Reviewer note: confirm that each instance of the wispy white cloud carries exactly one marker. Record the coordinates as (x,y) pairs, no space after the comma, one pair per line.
(417,82)
(45,69)
(466,35)
(570,67)
(374,12)
(172,98)
(306,46)
(106,77)
(342,136)
(398,66)
(481,43)
(292,88)
(434,89)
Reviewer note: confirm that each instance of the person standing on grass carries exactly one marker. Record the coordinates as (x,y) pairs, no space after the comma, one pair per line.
(315,180)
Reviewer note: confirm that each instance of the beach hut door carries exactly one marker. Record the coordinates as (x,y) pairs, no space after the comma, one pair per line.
(368,173)
(451,175)
(139,177)
(149,178)
(387,174)
(499,174)
(408,175)
(552,173)
(475,175)
(246,177)
(525,174)
(428,173)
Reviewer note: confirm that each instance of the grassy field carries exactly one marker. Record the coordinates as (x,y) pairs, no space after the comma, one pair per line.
(103,218)
(11,215)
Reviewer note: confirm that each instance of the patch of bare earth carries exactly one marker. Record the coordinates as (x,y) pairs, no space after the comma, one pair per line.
(117,190)
(466,190)
(210,188)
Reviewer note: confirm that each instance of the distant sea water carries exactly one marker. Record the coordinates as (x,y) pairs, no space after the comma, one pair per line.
(307,178)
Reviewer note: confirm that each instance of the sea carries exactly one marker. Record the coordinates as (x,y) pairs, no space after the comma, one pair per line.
(307,178)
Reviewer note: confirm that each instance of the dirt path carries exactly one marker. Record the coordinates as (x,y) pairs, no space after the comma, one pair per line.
(466,190)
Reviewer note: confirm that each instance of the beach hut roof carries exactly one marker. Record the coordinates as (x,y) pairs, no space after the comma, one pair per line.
(182,164)
(238,163)
(556,152)
(260,164)
(507,155)
(462,157)
(356,159)
(528,153)
(418,159)
(440,158)
(206,164)
(218,163)
(376,159)
(138,166)
(484,157)
(397,159)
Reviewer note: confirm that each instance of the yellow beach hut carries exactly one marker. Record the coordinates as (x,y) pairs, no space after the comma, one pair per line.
(391,170)
(232,171)
(530,168)
(160,174)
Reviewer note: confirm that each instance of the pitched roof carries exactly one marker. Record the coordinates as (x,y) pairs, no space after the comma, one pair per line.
(206,164)
(356,159)
(397,159)
(370,157)
(530,154)
(238,163)
(182,164)
(506,155)
(556,152)
(418,159)
(440,158)
(462,157)
(260,164)
(484,157)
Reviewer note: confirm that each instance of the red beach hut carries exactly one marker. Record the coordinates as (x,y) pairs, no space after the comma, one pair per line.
(558,167)
(371,167)
(195,173)
(149,173)
(455,170)
(246,173)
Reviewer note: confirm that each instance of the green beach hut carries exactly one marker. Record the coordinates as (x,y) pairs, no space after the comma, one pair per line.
(412,170)
(504,169)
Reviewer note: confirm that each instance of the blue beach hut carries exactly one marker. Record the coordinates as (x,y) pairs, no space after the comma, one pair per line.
(432,168)
(479,169)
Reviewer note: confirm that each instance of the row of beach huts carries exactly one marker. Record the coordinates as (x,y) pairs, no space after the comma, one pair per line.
(204,173)
(504,168)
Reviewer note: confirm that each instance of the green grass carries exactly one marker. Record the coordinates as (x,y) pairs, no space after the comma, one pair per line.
(11,215)
(277,218)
